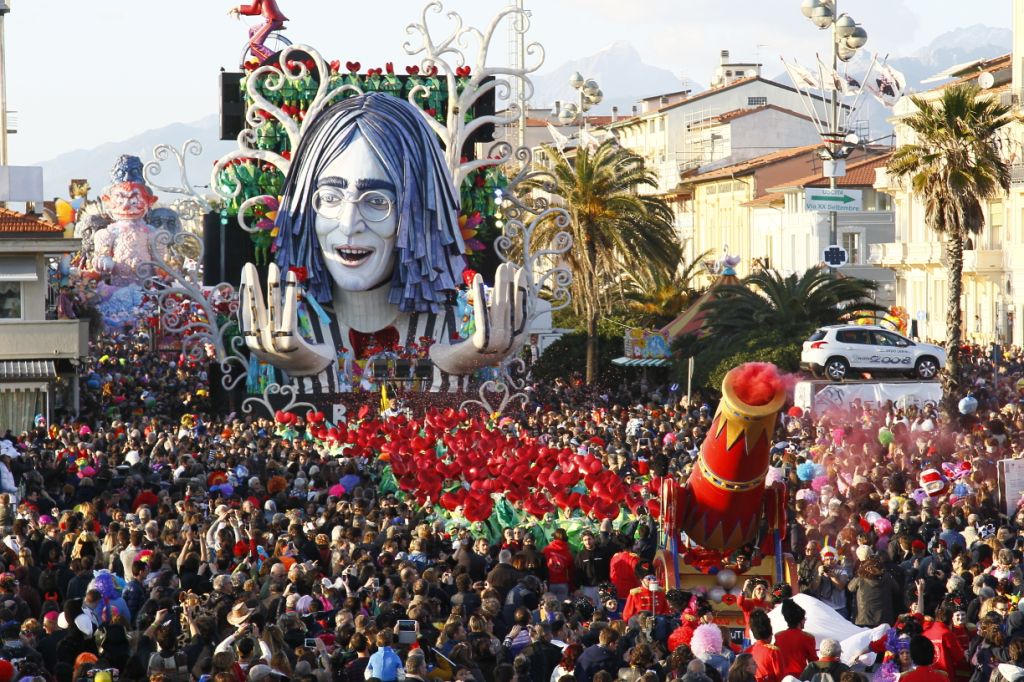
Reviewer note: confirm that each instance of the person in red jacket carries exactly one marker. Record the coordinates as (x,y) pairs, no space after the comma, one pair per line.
(767,655)
(622,572)
(949,655)
(648,597)
(796,646)
(559,560)
(922,653)
(273,20)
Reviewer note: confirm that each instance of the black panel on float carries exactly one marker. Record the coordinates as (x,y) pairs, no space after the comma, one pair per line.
(227,249)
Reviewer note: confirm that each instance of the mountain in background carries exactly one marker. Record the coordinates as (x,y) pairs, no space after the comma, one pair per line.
(619,70)
(95,164)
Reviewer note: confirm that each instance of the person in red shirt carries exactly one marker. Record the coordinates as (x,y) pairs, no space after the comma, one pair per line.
(796,646)
(949,655)
(767,655)
(273,20)
(559,560)
(622,572)
(922,654)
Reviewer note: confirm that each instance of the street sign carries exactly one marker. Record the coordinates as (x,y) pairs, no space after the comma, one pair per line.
(840,200)
(834,256)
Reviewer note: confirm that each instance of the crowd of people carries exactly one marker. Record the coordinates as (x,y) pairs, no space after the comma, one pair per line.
(148,539)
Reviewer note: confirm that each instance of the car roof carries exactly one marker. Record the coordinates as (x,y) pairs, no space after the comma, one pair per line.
(857,326)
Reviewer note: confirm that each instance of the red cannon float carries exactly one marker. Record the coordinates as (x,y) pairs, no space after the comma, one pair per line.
(725,500)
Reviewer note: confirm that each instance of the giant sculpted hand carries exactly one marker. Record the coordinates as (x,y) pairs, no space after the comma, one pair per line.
(500,324)
(271,327)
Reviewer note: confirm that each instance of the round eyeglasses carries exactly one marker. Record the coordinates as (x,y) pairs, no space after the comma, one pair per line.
(373,206)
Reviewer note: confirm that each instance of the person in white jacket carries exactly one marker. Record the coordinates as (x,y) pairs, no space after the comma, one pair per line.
(7,484)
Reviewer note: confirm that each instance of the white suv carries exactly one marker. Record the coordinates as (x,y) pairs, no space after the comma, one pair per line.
(837,350)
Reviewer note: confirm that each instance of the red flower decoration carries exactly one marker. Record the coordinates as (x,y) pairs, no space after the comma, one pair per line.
(287,154)
(300,274)
(390,68)
(467,276)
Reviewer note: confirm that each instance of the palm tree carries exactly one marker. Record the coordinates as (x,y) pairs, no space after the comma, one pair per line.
(615,229)
(954,166)
(663,297)
(790,305)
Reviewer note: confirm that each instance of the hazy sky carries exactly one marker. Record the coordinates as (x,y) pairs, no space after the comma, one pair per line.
(81,73)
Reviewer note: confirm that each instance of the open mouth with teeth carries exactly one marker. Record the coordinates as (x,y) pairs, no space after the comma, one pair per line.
(352,255)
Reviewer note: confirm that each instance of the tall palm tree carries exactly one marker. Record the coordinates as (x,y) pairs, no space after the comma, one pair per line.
(790,305)
(615,229)
(663,296)
(954,165)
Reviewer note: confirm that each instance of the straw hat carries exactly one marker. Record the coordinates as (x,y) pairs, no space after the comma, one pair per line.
(239,614)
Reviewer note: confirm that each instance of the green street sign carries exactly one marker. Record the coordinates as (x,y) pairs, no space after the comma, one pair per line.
(840,200)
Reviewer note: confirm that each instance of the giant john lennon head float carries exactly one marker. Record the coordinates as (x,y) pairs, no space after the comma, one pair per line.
(369,200)
(369,217)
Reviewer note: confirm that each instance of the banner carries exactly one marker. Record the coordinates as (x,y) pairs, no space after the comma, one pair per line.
(819,396)
(1010,476)
(646,344)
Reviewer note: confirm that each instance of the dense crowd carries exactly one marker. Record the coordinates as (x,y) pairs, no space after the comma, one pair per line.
(149,540)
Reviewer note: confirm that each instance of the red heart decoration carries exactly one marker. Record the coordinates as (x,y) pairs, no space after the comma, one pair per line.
(353,66)
(412,71)
(462,71)
(431,70)
(281,417)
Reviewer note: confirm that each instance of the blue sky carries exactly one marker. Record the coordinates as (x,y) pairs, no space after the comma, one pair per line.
(84,73)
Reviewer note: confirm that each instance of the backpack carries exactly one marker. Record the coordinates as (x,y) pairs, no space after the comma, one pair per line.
(174,668)
(824,675)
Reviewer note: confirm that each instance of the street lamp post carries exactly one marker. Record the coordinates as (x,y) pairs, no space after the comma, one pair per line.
(847,37)
(588,95)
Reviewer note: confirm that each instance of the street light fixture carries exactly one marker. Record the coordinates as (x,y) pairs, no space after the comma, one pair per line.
(847,37)
(589,95)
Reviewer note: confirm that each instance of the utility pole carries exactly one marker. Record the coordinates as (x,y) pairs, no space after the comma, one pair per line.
(4,9)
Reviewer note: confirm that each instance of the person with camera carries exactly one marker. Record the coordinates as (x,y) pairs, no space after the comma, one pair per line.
(829,583)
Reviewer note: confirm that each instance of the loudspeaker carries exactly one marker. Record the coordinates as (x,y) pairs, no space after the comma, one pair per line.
(232,108)
(226,249)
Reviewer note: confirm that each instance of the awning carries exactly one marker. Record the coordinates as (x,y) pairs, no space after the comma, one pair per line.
(18,270)
(27,370)
(641,362)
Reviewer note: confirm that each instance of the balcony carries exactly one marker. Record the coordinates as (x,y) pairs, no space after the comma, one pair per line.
(925,253)
(44,339)
(983,260)
(892,253)
(895,254)
(1016,174)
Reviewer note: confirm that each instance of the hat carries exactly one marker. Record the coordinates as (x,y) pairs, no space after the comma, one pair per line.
(51,615)
(260,672)
(239,614)
(829,551)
